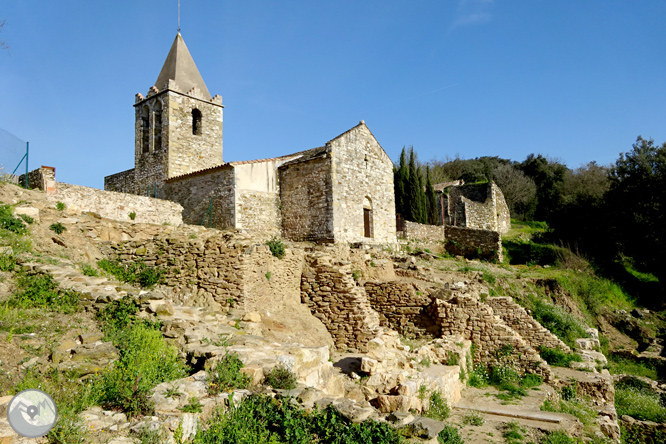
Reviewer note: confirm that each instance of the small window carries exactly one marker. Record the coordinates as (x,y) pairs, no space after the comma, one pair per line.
(145,130)
(196,122)
(367,218)
(157,129)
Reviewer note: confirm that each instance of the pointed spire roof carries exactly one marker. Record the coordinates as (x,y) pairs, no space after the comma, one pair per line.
(179,66)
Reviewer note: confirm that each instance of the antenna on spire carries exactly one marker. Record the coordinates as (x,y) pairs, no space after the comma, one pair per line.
(178,16)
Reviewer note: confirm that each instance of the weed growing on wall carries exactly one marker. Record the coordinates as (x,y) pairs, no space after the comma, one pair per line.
(132,215)
(60,206)
(277,247)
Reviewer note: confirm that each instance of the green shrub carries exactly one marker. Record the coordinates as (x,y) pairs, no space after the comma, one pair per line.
(277,247)
(117,316)
(60,206)
(281,377)
(438,408)
(57,228)
(145,361)
(226,375)
(479,377)
(513,433)
(133,273)
(7,262)
(473,418)
(9,222)
(41,291)
(558,358)
(261,419)
(450,435)
(132,215)
(27,219)
(569,392)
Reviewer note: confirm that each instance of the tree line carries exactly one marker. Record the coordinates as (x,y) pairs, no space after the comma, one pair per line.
(611,212)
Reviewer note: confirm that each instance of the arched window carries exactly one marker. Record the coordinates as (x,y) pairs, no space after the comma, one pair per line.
(157,129)
(145,129)
(196,122)
(367,217)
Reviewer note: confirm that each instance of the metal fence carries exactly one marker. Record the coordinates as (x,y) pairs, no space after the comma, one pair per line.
(13,153)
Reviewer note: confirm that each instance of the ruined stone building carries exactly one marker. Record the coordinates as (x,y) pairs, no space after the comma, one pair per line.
(341,191)
(478,205)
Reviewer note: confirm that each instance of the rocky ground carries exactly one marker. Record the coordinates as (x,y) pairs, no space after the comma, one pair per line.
(388,383)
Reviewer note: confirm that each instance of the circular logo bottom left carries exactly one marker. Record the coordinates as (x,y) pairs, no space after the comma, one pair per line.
(32,413)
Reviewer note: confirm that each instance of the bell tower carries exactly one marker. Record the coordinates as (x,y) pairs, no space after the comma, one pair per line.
(178,125)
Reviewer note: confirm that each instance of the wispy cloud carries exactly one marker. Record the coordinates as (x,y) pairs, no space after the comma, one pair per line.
(472,12)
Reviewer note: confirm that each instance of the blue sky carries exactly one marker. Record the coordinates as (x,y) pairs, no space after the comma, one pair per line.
(574,80)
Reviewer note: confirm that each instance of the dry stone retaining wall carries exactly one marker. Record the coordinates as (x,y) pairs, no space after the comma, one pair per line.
(497,343)
(517,318)
(331,293)
(401,308)
(259,212)
(470,242)
(41,179)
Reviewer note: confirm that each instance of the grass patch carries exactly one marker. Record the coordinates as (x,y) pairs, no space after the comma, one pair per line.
(9,222)
(513,433)
(133,273)
(576,407)
(562,324)
(473,418)
(89,270)
(262,419)
(41,291)
(558,358)
(618,364)
(71,397)
(635,398)
(58,228)
(597,294)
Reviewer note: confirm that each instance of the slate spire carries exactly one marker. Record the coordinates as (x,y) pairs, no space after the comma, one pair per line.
(180,66)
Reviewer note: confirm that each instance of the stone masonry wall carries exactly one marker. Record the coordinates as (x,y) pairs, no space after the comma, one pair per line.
(259,212)
(497,343)
(470,242)
(361,169)
(402,308)
(118,206)
(306,198)
(194,193)
(415,230)
(122,182)
(189,152)
(331,293)
(480,206)
(517,318)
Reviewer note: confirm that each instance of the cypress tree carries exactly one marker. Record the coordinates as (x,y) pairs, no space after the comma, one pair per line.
(414,201)
(431,200)
(400,179)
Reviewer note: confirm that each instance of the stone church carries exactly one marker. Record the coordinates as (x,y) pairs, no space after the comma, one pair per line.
(341,191)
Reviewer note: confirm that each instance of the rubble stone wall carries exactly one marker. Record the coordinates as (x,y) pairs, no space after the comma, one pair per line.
(402,308)
(331,293)
(195,192)
(470,242)
(41,179)
(259,212)
(481,206)
(118,206)
(517,318)
(306,199)
(122,182)
(497,343)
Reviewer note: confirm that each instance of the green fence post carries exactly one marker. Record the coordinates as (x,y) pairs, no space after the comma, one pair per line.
(27,151)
